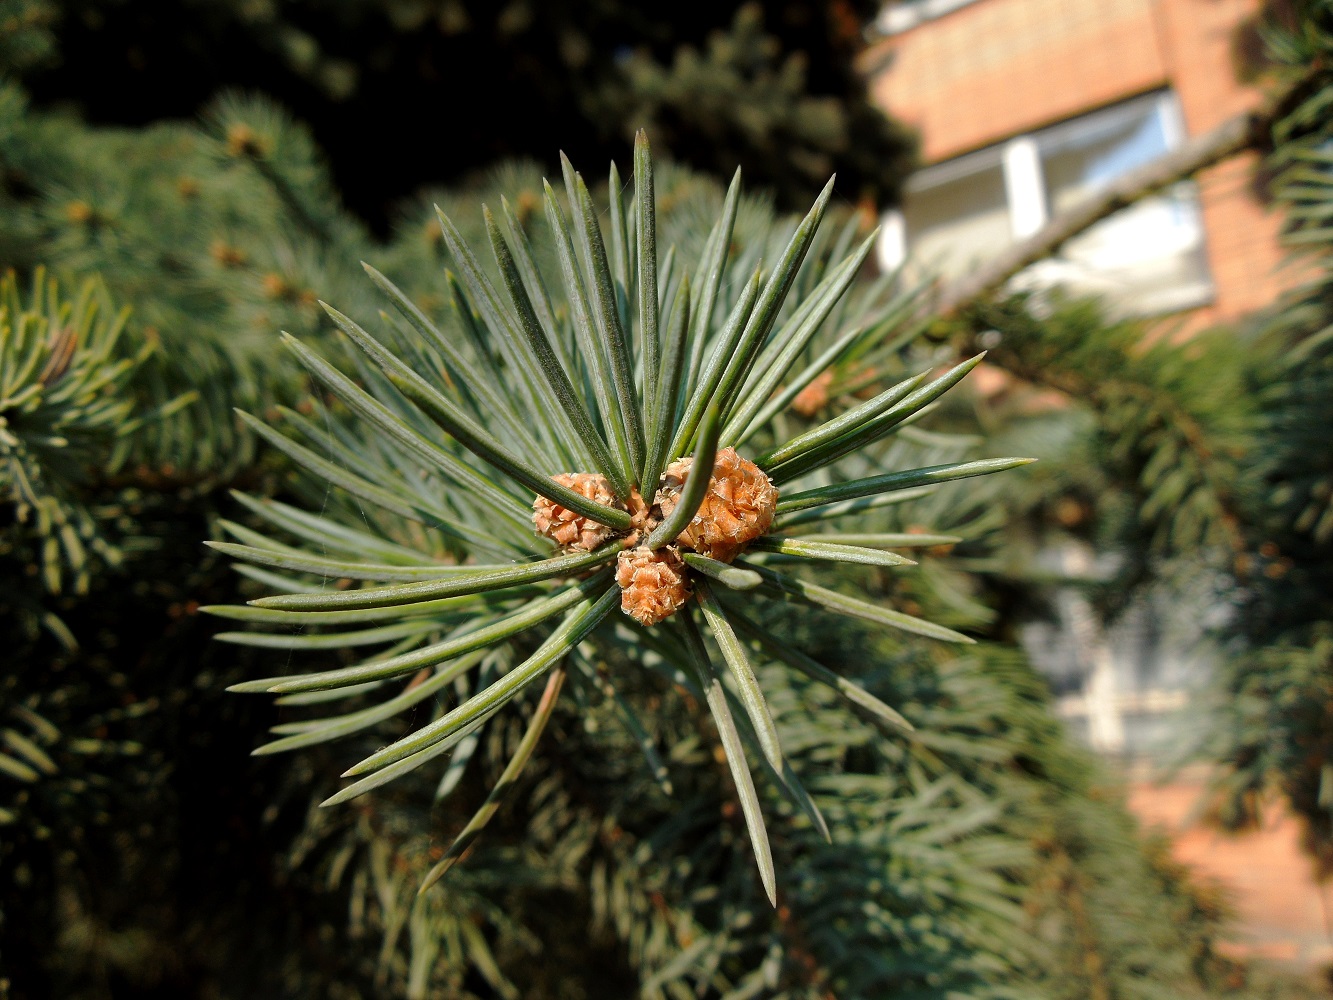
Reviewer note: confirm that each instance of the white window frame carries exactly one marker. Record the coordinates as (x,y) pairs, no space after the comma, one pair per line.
(1024,182)
(1024,186)
(905,15)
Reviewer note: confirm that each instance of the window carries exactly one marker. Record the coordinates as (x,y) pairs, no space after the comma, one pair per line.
(957,214)
(895,18)
(1148,258)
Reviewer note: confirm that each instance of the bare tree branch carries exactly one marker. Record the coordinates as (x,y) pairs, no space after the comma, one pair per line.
(1249,130)
(1244,131)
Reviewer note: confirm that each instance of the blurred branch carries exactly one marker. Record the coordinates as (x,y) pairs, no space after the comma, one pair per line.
(1250,130)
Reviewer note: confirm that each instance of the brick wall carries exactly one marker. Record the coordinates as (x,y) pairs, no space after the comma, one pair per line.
(1281,911)
(997,68)
(1242,233)
(1000,67)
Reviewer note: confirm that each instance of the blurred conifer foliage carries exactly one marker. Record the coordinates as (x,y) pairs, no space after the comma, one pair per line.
(767,86)
(144,853)
(26,37)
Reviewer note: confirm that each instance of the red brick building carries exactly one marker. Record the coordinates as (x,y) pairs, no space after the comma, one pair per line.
(1024,106)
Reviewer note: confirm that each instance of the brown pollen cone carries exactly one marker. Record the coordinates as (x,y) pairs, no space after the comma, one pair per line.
(568,529)
(814,397)
(641,519)
(738,507)
(653,585)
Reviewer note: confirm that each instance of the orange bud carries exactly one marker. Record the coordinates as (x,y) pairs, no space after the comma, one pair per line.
(738,507)
(566,528)
(653,585)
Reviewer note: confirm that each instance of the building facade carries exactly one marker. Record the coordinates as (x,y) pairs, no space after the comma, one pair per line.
(1026,106)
